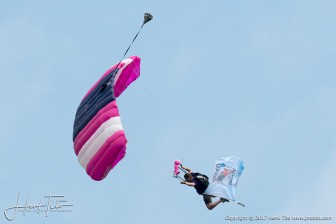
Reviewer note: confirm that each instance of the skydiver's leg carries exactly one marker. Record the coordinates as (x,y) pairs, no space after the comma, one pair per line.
(208,202)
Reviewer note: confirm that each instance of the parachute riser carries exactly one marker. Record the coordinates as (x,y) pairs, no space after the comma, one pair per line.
(178,177)
(183,170)
(178,166)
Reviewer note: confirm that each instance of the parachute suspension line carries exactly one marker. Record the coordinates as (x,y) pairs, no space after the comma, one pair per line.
(167,138)
(147,167)
(147,17)
(147,134)
(167,151)
(178,177)
(156,113)
(152,136)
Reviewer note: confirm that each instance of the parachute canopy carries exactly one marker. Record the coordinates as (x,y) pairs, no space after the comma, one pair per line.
(98,135)
(225,179)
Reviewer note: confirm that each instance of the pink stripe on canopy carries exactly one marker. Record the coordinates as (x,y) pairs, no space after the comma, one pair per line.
(111,152)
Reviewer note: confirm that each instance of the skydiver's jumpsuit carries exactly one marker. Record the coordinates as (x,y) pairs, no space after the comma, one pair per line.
(201,183)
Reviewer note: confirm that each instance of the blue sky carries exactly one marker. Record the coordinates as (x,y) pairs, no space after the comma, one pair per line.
(255,79)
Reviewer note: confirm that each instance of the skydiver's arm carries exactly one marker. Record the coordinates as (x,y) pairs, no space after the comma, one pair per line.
(187,169)
(191,184)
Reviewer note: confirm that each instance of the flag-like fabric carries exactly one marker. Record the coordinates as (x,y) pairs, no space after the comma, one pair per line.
(225,179)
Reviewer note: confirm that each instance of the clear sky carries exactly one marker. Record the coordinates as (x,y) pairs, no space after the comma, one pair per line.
(254,79)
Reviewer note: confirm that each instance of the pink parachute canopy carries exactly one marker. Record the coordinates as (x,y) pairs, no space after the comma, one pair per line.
(98,135)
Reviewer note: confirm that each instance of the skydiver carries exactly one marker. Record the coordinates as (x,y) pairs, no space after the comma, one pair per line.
(200,182)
